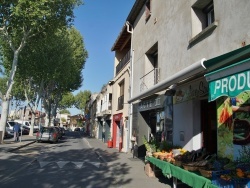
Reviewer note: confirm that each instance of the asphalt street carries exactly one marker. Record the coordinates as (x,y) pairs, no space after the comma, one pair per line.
(75,161)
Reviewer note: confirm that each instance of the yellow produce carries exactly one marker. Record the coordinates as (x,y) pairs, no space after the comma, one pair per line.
(240,173)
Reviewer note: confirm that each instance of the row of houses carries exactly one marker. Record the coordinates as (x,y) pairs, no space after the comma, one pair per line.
(65,120)
(166,56)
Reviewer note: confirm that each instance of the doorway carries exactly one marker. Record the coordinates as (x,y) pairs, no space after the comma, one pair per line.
(209,125)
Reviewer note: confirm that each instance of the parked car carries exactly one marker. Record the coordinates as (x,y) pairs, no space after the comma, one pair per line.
(77,129)
(9,133)
(25,129)
(62,130)
(27,123)
(10,124)
(59,132)
(9,127)
(47,134)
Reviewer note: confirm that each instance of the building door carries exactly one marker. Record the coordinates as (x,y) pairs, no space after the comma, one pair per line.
(209,125)
(100,128)
(114,133)
(152,125)
(107,130)
(116,129)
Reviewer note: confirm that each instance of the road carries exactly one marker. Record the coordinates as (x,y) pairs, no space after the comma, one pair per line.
(70,163)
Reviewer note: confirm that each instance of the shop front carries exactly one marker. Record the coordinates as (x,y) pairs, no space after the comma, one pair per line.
(180,117)
(194,119)
(211,112)
(150,121)
(230,88)
(117,137)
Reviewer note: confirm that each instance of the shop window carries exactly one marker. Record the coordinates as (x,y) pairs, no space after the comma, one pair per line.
(203,19)
(148,9)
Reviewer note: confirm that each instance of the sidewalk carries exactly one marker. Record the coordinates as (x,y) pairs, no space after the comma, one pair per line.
(9,144)
(133,167)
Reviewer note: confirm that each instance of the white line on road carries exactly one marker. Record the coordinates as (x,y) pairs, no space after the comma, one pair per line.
(85,140)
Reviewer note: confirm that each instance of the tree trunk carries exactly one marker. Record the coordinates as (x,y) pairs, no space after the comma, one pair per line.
(32,124)
(46,120)
(7,96)
(33,116)
(4,116)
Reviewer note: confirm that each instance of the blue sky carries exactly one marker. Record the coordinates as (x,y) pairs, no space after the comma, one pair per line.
(100,22)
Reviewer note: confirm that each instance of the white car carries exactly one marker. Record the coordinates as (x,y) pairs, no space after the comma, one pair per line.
(27,123)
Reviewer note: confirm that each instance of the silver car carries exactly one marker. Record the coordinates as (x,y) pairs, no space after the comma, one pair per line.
(9,128)
(47,134)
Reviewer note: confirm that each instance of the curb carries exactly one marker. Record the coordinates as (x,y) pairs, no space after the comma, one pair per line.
(14,149)
(103,161)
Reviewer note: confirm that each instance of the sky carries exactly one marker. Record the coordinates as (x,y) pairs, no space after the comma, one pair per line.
(100,22)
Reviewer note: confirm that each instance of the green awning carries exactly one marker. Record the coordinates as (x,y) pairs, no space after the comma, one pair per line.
(229,81)
(227,59)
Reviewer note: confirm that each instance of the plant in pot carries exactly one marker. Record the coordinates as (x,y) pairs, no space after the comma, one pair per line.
(110,141)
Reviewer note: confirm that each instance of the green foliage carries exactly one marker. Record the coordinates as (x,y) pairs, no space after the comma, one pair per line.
(25,17)
(3,85)
(63,119)
(81,98)
(67,101)
(151,145)
(244,154)
(64,111)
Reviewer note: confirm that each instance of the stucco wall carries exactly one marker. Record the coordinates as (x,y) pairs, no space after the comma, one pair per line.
(171,26)
(187,120)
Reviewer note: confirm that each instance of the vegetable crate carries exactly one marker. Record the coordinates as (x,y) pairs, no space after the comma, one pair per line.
(225,180)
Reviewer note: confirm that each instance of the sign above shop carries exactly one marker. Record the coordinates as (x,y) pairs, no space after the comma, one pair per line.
(230,86)
(229,81)
(117,117)
(151,103)
(192,90)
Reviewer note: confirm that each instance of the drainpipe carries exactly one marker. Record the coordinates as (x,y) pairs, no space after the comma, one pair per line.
(129,144)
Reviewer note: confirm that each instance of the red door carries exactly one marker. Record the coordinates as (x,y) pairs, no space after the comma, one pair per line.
(116,123)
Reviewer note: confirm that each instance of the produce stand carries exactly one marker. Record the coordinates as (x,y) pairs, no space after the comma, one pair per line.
(190,178)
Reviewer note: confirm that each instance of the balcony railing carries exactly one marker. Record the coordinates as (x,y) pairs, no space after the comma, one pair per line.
(123,62)
(149,79)
(120,102)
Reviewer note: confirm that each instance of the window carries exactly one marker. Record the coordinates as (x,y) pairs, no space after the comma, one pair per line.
(148,9)
(121,88)
(151,70)
(203,20)
(209,12)
(121,98)
(152,56)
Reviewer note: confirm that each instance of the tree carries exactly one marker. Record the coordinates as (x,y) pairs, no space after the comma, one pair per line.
(20,21)
(63,119)
(64,111)
(81,98)
(70,77)
(67,101)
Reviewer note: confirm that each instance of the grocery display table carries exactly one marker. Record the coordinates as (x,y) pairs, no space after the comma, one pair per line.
(189,178)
